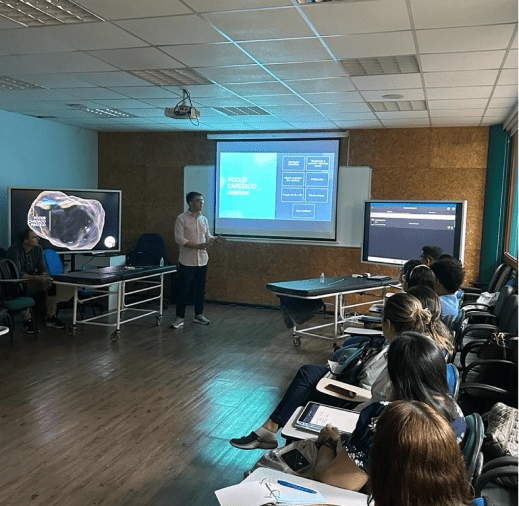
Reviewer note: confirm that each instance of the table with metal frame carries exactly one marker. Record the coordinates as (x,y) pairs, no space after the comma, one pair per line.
(102,280)
(336,288)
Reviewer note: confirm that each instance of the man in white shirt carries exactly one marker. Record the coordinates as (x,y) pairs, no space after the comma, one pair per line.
(194,239)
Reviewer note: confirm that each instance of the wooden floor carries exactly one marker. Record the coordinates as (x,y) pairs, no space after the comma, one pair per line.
(146,420)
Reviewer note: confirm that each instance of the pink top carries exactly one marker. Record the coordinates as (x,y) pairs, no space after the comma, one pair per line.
(193,228)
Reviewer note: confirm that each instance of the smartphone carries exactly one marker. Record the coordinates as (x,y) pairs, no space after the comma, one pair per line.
(340,390)
(295,460)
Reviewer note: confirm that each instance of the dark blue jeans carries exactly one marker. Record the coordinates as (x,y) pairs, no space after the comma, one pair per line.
(191,277)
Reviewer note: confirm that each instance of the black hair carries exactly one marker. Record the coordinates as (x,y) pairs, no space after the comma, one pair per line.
(191,196)
(450,274)
(406,269)
(418,372)
(432,252)
(24,234)
(421,275)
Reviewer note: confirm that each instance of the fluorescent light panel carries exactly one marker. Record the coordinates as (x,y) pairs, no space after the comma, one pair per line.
(402,105)
(242,111)
(171,77)
(45,12)
(382,65)
(101,113)
(6,83)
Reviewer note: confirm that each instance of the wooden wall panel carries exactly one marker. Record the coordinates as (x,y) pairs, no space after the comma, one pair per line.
(419,163)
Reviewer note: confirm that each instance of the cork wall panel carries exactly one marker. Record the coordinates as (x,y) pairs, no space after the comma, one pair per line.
(422,163)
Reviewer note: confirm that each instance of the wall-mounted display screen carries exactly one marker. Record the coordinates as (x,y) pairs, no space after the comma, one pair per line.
(396,231)
(277,189)
(68,220)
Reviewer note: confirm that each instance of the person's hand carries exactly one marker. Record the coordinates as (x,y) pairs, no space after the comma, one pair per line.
(328,431)
(204,245)
(46,280)
(220,239)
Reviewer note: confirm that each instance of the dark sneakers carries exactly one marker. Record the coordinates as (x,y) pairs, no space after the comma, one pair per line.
(28,326)
(54,323)
(253,441)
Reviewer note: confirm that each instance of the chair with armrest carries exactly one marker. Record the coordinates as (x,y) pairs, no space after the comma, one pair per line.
(453,380)
(471,446)
(55,266)
(13,299)
(501,276)
(497,483)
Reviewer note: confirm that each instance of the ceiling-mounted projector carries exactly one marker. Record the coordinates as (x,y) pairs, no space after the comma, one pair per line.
(182,112)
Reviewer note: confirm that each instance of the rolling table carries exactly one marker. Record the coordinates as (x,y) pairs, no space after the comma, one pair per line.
(101,279)
(336,288)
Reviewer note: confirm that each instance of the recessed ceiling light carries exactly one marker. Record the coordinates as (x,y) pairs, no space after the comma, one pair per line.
(45,12)
(405,105)
(6,83)
(393,96)
(101,113)
(171,77)
(242,111)
(382,65)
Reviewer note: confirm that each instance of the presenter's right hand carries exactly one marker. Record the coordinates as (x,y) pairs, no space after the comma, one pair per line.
(204,245)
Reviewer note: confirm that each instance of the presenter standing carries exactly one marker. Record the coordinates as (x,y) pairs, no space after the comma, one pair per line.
(194,239)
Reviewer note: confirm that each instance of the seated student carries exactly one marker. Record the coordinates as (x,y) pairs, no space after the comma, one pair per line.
(405,271)
(417,371)
(401,312)
(28,257)
(438,330)
(430,254)
(449,278)
(421,275)
(416,460)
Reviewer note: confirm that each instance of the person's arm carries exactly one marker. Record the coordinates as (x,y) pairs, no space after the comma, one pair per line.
(182,240)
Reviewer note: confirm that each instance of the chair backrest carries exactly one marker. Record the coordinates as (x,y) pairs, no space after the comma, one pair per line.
(453,380)
(497,278)
(508,320)
(471,446)
(54,262)
(154,244)
(8,270)
(504,293)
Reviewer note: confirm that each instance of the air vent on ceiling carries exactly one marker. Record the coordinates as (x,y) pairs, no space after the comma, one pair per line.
(382,65)
(242,111)
(45,12)
(105,113)
(6,83)
(401,105)
(171,77)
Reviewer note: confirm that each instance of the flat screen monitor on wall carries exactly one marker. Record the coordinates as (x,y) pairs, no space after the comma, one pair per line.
(68,220)
(396,231)
(277,189)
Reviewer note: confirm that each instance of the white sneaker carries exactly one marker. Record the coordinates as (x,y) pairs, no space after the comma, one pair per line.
(179,322)
(201,319)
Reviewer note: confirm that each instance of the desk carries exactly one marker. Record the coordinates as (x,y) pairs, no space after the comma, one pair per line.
(336,288)
(104,278)
(333,495)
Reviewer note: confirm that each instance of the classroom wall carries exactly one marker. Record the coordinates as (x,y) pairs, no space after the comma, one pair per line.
(420,163)
(35,152)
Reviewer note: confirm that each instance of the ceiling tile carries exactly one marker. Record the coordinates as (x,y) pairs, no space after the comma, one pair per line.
(462,61)
(208,55)
(347,116)
(54,80)
(449,13)
(508,76)
(313,125)
(390,82)
(122,9)
(121,104)
(258,89)
(333,84)
(145,92)
(287,51)
(292,111)
(92,93)
(459,92)
(359,124)
(498,112)
(507,91)
(110,78)
(469,39)
(374,44)
(172,30)
(231,5)
(504,103)
(511,60)
(406,123)
(328,109)
(332,97)
(402,115)
(464,78)
(307,70)
(408,94)
(261,24)
(476,103)
(451,122)
(224,102)
(277,100)
(237,74)
(31,41)
(145,58)
(459,113)
(344,18)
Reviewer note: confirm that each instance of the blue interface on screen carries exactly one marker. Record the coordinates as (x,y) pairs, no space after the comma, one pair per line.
(277,188)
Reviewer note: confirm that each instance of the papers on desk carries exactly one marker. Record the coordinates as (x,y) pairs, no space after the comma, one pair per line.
(259,493)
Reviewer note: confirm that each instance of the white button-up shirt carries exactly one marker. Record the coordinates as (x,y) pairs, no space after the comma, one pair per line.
(194,228)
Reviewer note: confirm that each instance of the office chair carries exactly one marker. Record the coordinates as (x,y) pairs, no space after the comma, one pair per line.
(471,446)
(12,295)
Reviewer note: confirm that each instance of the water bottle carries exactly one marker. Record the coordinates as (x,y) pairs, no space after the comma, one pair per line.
(321,279)
(161,261)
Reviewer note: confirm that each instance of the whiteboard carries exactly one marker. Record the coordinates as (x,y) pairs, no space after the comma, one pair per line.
(354,188)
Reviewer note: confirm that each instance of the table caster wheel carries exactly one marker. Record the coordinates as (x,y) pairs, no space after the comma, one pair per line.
(71,331)
(114,336)
(159,320)
(297,341)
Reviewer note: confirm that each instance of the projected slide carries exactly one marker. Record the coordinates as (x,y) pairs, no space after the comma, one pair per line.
(277,188)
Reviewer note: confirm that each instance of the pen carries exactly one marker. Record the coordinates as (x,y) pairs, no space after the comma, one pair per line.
(297,487)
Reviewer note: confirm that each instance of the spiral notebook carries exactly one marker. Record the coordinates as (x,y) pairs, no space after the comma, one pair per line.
(260,493)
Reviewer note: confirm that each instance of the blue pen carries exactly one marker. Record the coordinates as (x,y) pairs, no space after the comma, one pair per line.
(297,487)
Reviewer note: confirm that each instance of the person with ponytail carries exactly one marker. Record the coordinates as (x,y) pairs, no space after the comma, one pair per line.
(417,371)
